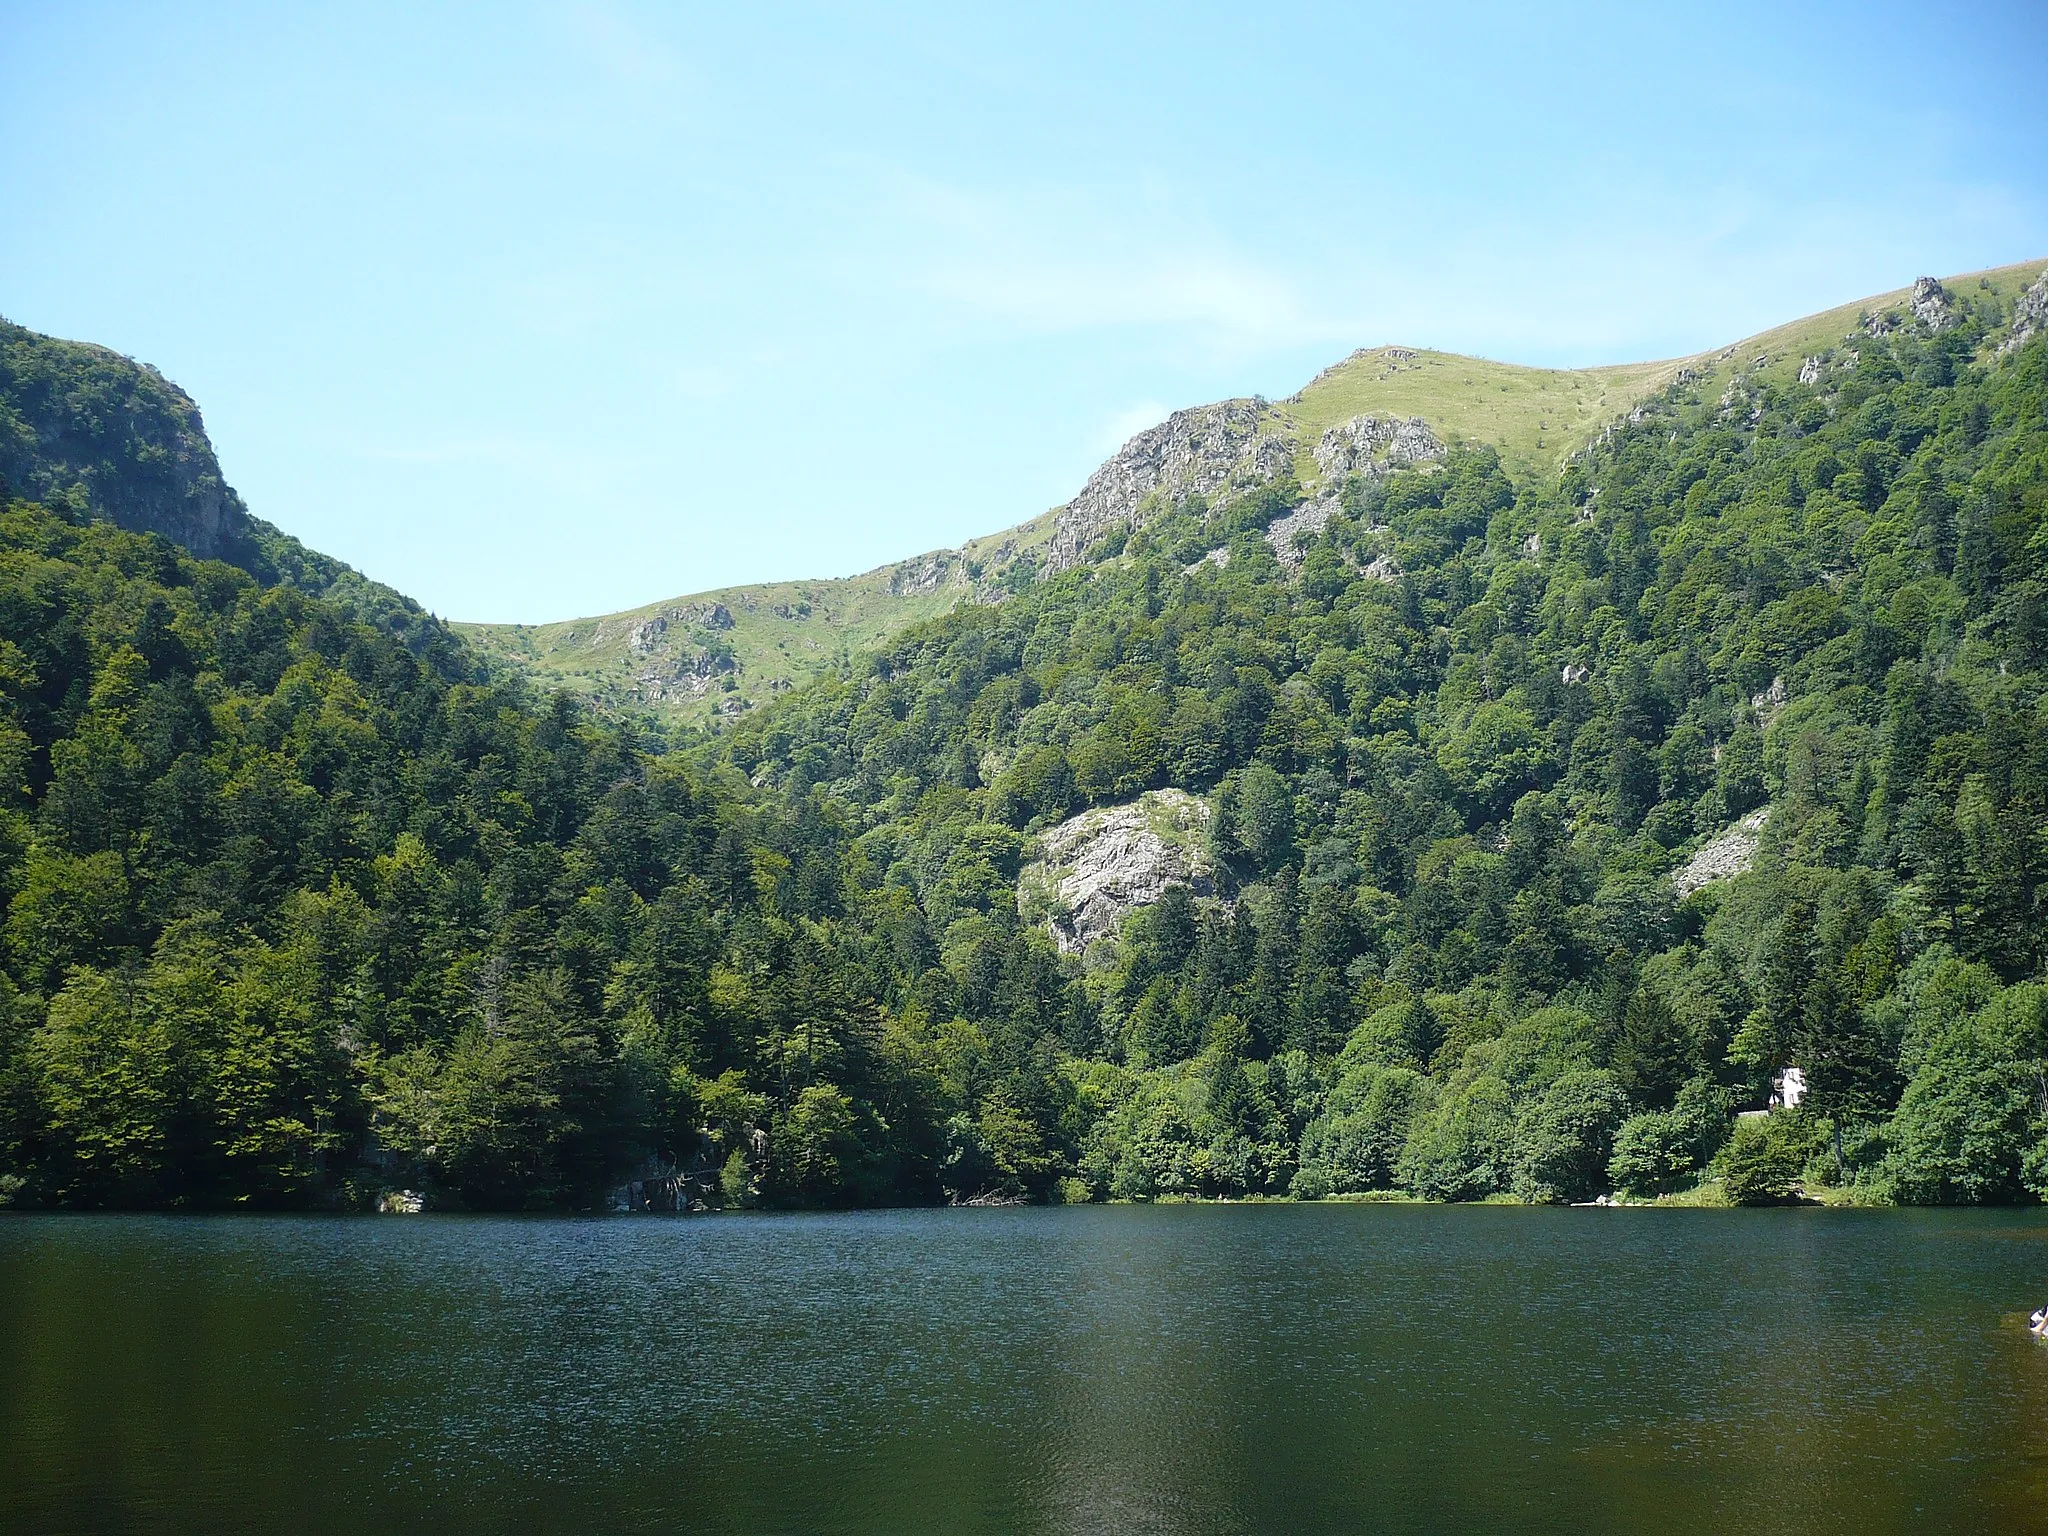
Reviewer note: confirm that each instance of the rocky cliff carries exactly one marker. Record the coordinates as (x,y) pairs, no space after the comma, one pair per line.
(1195,452)
(86,428)
(95,434)
(1376,445)
(2029,315)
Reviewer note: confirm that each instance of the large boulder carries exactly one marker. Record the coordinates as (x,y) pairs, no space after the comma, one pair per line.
(1093,869)
(1933,305)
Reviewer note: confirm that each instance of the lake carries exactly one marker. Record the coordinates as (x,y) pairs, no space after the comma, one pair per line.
(1298,1369)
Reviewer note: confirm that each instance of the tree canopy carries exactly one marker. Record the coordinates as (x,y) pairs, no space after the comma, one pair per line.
(298,910)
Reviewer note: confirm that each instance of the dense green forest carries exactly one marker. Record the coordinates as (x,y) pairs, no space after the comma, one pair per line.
(299,910)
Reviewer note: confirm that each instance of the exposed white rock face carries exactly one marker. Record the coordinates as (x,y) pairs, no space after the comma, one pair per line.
(1727,854)
(1192,452)
(1377,445)
(1094,868)
(1770,701)
(2029,316)
(1573,674)
(1383,568)
(1932,305)
(1810,370)
(927,573)
(1311,518)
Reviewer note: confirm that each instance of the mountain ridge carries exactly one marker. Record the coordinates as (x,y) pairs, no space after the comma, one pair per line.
(1537,418)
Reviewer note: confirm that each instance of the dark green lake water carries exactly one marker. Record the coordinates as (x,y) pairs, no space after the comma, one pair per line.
(1183,1369)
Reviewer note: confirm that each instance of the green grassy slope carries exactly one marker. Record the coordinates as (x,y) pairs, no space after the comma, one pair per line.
(712,655)
(1533,415)
(1787,346)
(1538,417)
(783,633)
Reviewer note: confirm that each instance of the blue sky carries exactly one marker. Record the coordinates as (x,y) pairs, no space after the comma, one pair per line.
(544,311)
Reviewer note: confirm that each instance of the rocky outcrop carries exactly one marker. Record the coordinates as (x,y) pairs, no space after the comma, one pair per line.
(103,436)
(82,425)
(1932,305)
(648,635)
(1192,452)
(927,573)
(683,675)
(1768,702)
(1376,445)
(1725,855)
(1095,868)
(704,615)
(1816,369)
(1309,519)
(2029,316)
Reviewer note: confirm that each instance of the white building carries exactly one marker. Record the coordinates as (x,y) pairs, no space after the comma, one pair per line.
(1788,1088)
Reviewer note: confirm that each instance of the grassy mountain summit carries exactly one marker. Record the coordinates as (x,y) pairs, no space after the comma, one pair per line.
(711,656)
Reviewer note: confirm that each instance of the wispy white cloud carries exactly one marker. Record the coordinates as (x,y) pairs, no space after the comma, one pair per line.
(1219,297)
(618,44)
(1075,259)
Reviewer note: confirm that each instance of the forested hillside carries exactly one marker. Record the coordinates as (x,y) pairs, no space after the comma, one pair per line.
(1456,761)
(87,430)
(296,916)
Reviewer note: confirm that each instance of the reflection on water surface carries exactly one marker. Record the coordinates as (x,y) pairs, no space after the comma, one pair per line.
(1184,1369)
